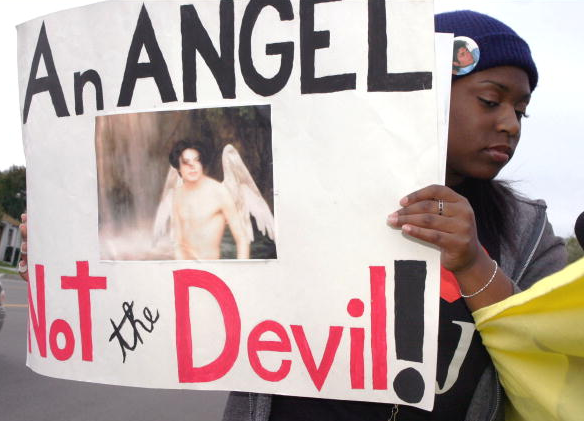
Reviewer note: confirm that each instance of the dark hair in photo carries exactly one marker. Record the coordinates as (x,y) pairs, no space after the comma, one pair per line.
(179,147)
(458,44)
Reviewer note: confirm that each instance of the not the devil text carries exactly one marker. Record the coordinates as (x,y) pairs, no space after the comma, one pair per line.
(408,319)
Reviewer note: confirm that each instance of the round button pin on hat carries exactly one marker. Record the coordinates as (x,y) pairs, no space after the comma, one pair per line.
(465,55)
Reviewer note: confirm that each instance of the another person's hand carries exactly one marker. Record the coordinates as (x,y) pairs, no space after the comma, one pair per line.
(442,217)
(23,264)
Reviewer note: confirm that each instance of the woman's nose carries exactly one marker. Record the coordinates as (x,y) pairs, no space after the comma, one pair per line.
(508,121)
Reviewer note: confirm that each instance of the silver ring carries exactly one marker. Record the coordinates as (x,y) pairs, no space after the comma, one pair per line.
(22,268)
(22,251)
(440,207)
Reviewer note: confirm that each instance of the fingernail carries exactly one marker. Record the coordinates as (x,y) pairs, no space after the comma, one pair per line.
(392,219)
(404,201)
(407,229)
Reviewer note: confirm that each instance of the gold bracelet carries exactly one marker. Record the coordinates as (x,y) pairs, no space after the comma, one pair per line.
(491,279)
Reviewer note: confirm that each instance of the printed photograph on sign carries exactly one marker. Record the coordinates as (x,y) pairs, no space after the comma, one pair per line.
(186,185)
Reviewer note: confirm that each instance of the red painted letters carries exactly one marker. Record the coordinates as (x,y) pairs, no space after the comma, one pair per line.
(39,322)
(320,373)
(255,344)
(187,372)
(378,327)
(83,283)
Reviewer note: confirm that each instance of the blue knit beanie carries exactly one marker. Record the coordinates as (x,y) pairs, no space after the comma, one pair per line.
(499,45)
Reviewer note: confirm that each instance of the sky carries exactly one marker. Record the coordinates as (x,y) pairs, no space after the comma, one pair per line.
(548,162)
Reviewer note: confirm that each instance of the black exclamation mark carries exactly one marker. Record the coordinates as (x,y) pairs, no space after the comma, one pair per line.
(410,283)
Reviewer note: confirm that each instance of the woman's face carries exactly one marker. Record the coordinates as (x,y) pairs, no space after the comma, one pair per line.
(485,122)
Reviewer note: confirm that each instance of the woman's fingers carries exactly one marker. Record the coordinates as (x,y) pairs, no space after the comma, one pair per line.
(431,227)
(23,264)
(432,207)
(438,215)
(426,220)
(433,192)
(424,206)
(438,238)
(453,245)
(23,232)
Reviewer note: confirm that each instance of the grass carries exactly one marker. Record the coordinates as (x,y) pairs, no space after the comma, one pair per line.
(4,268)
(7,265)
(9,272)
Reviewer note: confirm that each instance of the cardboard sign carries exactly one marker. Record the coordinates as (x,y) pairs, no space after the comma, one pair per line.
(208,189)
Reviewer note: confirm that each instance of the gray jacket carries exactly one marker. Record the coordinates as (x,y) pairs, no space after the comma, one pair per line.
(538,253)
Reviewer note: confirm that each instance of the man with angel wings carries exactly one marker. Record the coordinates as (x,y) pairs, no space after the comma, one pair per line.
(199,207)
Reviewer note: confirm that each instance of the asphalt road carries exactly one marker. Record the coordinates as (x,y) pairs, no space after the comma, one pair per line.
(27,396)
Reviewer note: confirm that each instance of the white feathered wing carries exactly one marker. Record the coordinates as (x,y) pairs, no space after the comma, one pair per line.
(246,195)
(162,227)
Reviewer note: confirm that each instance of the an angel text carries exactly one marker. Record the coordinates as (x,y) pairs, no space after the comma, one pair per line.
(195,40)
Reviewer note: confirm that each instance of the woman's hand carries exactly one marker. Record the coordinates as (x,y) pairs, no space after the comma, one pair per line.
(453,229)
(440,216)
(23,264)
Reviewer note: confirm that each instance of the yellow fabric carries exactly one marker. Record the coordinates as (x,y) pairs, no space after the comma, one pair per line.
(536,341)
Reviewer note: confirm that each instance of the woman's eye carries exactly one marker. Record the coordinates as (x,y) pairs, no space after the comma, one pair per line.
(488,103)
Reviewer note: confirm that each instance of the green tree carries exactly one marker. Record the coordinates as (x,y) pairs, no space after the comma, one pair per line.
(575,252)
(13,191)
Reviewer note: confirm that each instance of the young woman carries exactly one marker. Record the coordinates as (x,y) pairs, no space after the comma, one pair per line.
(493,243)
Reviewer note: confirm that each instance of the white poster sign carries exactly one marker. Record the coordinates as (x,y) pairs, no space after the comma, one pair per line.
(208,185)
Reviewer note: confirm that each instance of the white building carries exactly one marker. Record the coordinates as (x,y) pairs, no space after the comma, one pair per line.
(9,239)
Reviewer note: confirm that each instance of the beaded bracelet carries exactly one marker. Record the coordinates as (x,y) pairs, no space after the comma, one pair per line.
(484,286)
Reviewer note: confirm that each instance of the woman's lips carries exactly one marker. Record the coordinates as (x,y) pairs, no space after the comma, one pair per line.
(501,153)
